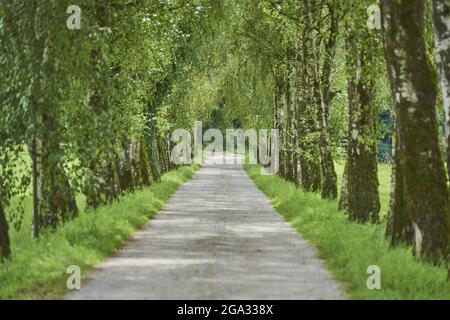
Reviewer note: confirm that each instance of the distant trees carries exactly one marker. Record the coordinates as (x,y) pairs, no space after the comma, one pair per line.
(298,41)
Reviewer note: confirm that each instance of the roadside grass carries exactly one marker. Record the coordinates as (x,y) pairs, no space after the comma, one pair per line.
(37,269)
(348,248)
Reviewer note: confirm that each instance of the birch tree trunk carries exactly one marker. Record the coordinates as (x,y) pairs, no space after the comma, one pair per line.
(399,227)
(96,185)
(280,99)
(164,162)
(136,162)
(5,250)
(126,177)
(441,19)
(362,170)
(343,197)
(360,193)
(35,150)
(413,81)
(308,136)
(322,95)
(289,135)
(146,172)
(153,156)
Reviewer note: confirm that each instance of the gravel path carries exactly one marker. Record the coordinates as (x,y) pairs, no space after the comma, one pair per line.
(217,238)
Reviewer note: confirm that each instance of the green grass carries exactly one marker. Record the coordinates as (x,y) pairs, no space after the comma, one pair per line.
(38,267)
(349,247)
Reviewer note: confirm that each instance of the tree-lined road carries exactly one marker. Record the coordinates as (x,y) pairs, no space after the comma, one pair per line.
(217,238)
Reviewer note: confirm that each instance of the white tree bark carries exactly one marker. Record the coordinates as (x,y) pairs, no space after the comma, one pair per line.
(441,19)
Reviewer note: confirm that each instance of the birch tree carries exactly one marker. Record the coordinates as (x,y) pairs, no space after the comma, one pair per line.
(321,87)
(360,196)
(441,19)
(422,191)
(5,250)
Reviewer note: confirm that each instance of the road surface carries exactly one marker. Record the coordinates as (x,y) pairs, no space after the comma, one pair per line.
(218,237)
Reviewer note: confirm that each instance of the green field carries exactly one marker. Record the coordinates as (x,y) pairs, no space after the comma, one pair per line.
(349,247)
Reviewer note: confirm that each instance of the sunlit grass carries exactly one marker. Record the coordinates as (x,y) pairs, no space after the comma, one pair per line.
(38,267)
(349,247)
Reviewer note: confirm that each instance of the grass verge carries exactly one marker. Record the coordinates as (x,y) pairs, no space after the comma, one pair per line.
(348,248)
(37,269)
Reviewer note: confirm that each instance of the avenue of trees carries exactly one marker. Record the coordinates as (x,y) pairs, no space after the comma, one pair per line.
(89,111)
